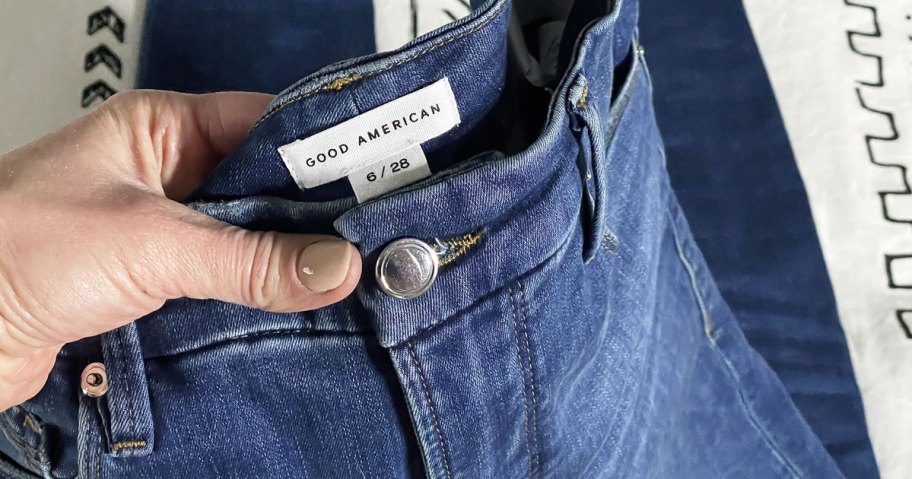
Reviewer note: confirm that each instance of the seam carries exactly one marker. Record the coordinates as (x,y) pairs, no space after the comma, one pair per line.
(34,451)
(770,442)
(31,424)
(360,76)
(126,385)
(619,104)
(307,331)
(354,99)
(484,297)
(274,332)
(522,373)
(29,452)
(14,469)
(94,428)
(742,399)
(292,331)
(339,83)
(708,327)
(427,397)
(128,445)
(32,454)
(534,412)
(103,415)
(98,453)
(582,102)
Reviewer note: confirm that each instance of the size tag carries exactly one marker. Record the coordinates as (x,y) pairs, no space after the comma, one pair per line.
(377,134)
(403,168)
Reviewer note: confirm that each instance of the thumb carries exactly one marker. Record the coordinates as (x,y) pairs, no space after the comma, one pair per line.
(264,270)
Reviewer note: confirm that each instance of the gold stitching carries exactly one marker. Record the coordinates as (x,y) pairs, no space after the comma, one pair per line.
(461,245)
(339,83)
(582,102)
(128,445)
(28,421)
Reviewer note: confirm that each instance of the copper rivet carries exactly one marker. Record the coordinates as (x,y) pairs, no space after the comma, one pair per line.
(94,380)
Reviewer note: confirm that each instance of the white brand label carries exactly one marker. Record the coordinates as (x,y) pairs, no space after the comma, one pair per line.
(372,136)
(403,168)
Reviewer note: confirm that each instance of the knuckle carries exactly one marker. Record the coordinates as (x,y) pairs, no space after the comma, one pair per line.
(122,107)
(129,99)
(24,377)
(263,288)
(123,112)
(132,107)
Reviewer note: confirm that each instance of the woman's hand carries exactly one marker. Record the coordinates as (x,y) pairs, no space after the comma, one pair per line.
(92,236)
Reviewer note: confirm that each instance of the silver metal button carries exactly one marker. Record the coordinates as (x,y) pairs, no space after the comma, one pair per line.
(94,380)
(406,268)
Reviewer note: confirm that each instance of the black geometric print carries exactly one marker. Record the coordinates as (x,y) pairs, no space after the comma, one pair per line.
(878,81)
(96,91)
(103,55)
(106,18)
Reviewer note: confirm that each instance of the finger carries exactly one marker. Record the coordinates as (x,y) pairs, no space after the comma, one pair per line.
(24,377)
(188,135)
(212,126)
(264,270)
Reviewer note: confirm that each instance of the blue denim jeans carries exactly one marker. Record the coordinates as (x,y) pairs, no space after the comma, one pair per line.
(575,332)
(749,212)
(263,45)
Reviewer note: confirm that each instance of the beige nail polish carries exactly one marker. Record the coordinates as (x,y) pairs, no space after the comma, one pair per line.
(323,265)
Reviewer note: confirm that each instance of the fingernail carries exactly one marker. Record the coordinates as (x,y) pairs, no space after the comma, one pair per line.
(323,265)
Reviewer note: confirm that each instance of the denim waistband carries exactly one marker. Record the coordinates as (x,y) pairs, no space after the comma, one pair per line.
(519,208)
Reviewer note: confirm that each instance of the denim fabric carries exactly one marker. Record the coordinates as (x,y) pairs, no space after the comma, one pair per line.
(581,336)
(262,45)
(749,211)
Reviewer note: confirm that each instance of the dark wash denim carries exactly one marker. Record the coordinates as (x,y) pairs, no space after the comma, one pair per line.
(749,212)
(262,45)
(582,336)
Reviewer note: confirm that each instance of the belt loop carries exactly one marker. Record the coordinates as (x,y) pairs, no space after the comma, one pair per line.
(591,162)
(90,440)
(127,397)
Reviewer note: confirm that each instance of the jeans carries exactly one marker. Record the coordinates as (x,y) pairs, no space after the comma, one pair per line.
(263,46)
(573,328)
(749,211)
